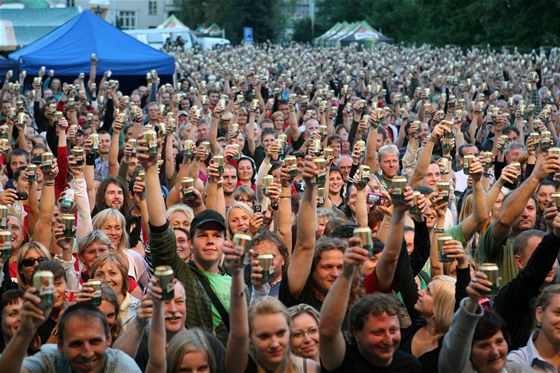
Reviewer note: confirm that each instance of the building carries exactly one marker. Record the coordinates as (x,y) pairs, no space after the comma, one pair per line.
(297,10)
(130,14)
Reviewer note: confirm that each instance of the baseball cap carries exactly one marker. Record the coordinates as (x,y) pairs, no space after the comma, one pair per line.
(208,216)
(183,112)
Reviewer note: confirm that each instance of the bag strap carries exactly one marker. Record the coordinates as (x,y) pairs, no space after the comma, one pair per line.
(213,297)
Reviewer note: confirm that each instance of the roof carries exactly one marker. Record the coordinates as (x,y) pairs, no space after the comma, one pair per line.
(68,49)
(172,22)
(29,25)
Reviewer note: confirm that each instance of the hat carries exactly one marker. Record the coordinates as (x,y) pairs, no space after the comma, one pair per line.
(298,154)
(182,112)
(208,216)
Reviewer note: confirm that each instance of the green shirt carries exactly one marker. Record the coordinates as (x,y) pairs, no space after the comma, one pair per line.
(221,284)
(500,253)
(457,233)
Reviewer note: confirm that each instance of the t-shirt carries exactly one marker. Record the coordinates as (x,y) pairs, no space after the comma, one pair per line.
(354,362)
(499,253)
(221,284)
(49,360)
(456,232)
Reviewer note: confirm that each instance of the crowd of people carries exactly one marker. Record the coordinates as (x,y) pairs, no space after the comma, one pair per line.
(285,209)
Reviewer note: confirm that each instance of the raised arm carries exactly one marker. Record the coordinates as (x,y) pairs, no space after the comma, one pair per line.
(385,269)
(237,351)
(426,153)
(46,207)
(472,222)
(514,205)
(157,337)
(114,149)
(332,346)
(302,257)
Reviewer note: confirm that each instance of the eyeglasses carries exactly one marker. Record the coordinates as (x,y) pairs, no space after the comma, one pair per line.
(310,333)
(30,262)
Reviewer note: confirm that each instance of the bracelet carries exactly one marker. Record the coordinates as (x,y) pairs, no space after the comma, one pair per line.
(439,230)
(285,197)
(54,332)
(48,183)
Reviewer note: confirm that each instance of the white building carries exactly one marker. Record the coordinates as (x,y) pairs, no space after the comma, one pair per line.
(130,14)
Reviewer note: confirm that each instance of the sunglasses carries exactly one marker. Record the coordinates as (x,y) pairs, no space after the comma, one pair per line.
(30,262)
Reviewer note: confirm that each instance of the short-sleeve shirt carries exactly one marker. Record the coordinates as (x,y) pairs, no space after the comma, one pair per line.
(221,284)
(499,253)
(354,362)
(456,232)
(49,360)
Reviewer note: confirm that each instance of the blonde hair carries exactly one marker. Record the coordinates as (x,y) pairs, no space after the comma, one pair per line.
(191,340)
(444,301)
(267,306)
(33,245)
(241,205)
(117,260)
(103,216)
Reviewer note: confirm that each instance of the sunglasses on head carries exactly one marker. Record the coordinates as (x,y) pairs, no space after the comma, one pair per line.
(30,262)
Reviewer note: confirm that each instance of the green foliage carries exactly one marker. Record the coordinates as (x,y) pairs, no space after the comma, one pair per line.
(303,32)
(525,23)
(266,17)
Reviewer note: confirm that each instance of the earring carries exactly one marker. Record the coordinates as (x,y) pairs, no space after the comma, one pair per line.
(539,325)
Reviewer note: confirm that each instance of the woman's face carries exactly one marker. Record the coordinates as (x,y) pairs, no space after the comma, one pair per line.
(335,182)
(270,335)
(244,170)
(112,227)
(425,303)
(195,362)
(549,318)
(489,355)
(11,316)
(279,122)
(30,261)
(180,219)
(111,275)
(109,311)
(242,119)
(544,196)
(59,292)
(276,175)
(238,220)
(183,247)
(305,336)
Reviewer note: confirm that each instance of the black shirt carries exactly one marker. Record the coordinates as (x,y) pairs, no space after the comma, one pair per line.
(354,362)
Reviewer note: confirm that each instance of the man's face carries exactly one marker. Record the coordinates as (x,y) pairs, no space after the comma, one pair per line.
(513,154)
(522,259)
(104,143)
(17,161)
(527,218)
(114,196)
(379,338)
(207,244)
(389,165)
(214,98)
(345,165)
(311,126)
(230,180)
(512,136)
(285,109)
(544,196)
(176,311)
(471,150)
(337,148)
(202,131)
(59,291)
(267,141)
(328,269)
(432,177)
(16,228)
(22,184)
(267,247)
(85,344)
(152,112)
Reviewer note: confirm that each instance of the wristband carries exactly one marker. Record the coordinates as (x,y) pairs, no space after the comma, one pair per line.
(439,230)
(90,159)
(48,183)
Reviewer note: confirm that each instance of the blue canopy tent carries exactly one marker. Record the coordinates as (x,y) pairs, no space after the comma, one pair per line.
(6,65)
(67,50)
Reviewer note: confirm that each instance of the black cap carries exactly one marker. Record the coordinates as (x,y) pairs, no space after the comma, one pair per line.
(208,216)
